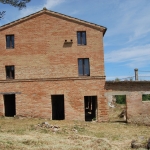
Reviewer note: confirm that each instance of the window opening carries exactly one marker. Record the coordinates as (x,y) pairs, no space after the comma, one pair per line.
(9,41)
(83,67)
(81,37)
(10,72)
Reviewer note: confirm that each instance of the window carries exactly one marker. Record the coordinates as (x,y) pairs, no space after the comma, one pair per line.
(81,37)
(10,72)
(9,41)
(83,67)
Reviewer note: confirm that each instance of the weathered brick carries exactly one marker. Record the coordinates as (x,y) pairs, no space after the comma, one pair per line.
(45,66)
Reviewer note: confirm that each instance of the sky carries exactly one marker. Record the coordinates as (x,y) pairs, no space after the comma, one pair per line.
(126,41)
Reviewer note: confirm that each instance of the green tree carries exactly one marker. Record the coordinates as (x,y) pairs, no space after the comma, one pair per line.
(117,79)
(15,3)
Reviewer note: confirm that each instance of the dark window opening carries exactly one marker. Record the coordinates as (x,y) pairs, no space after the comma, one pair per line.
(9,41)
(90,106)
(83,67)
(10,105)
(81,37)
(58,107)
(10,72)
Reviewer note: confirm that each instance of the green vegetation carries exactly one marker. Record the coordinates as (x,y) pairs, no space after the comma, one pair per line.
(120,99)
(117,79)
(146,97)
(15,3)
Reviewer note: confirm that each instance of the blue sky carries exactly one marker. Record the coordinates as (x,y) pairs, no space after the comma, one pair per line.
(127,40)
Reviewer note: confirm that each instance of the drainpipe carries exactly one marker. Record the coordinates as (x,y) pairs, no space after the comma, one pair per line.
(136,74)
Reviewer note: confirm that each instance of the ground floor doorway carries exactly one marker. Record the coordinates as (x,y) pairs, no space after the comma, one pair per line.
(90,107)
(10,105)
(58,111)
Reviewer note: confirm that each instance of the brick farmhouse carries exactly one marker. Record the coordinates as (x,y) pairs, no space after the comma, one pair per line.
(52,66)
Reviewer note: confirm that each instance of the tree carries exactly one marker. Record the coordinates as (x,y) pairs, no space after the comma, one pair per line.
(15,3)
(2,14)
(117,79)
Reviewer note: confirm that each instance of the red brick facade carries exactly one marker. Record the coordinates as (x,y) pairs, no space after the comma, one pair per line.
(46,65)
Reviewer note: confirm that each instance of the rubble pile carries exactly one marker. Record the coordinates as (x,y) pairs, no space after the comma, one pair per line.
(46,125)
(141,142)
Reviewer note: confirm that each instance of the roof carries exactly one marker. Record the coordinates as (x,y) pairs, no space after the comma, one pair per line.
(56,14)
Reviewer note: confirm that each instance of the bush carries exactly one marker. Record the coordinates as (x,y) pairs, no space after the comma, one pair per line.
(120,99)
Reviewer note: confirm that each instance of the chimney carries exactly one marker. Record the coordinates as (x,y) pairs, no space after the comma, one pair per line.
(136,74)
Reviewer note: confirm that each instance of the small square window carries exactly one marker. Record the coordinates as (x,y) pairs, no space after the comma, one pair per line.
(10,72)
(9,41)
(83,67)
(81,37)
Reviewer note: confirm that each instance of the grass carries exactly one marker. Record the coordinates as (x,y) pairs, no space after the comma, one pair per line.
(23,134)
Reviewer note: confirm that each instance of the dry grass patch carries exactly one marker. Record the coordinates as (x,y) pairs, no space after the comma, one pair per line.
(23,134)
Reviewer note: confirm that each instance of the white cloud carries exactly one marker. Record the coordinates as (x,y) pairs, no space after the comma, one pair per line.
(130,20)
(29,11)
(131,56)
(49,4)
(52,3)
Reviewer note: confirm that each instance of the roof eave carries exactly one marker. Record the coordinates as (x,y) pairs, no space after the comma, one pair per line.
(101,28)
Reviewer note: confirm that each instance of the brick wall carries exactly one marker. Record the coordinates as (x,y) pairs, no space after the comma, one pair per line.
(45,66)
(40,51)
(33,98)
(138,111)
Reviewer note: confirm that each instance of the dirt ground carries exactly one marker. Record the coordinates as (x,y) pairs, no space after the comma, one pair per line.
(26,134)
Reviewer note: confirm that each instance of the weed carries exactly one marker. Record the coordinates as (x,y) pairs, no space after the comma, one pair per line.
(115,137)
(9,143)
(79,128)
(44,131)
(33,142)
(20,131)
(10,131)
(32,127)
(100,134)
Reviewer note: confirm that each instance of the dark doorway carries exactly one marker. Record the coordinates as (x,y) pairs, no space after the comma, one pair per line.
(90,106)
(58,107)
(118,109)
(10,105)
